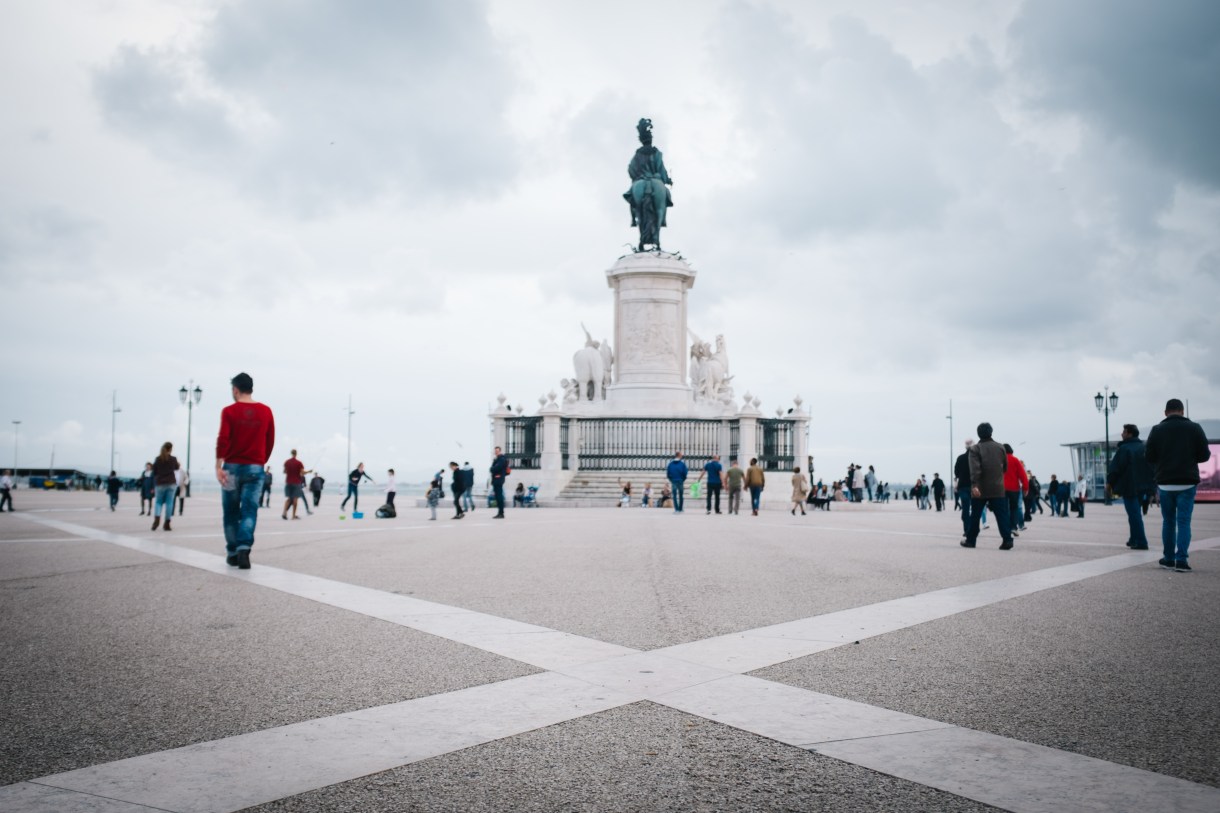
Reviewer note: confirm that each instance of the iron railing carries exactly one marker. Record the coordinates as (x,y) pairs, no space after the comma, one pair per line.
(523,442)
(775,444)
(645,444)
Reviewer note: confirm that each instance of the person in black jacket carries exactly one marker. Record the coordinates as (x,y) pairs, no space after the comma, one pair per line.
(1175,448)
(1131,476)
(458,487)
(961,473)
(499,470)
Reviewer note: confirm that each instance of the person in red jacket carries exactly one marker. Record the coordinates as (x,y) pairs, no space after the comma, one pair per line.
(243,447)
(1016,484)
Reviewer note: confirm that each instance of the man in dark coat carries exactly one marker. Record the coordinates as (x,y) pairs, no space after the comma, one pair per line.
(1175,448)
(988,462)
(499,471)
(1131,476)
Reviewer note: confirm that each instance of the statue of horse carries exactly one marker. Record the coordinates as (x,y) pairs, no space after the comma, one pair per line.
(649,195)
(590,371)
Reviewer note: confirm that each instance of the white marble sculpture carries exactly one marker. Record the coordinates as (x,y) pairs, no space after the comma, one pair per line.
(709,370)
(590,369)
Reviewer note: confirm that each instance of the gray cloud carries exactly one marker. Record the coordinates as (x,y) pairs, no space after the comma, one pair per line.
(1143,73)
(842,136)
(315,104)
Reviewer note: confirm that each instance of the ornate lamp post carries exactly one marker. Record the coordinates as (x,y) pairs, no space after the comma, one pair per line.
(190,396)
(114,410)
(1107,403)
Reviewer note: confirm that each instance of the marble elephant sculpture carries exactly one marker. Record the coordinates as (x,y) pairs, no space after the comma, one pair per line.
(590,371)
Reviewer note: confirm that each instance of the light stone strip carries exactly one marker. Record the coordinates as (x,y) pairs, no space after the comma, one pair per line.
(538,646)
(250,769)
(674,677)
(999,771)
(766,646)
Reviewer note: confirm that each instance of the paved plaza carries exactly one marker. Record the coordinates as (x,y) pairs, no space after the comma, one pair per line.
(602,660)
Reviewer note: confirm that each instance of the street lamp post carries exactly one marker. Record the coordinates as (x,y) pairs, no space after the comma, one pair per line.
(350,413)
(190,396)
(16,426)
(114,410)
(1106,403)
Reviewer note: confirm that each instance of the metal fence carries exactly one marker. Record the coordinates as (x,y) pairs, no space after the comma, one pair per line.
(645,444)
(523,442)
(775,444)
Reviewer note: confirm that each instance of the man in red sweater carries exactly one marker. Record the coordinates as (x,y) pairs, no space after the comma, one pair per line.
(243,447)
(1016,484)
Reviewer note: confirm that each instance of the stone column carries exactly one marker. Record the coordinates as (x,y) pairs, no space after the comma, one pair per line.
(747,422)
(499,432)
(650,340)
(800,439)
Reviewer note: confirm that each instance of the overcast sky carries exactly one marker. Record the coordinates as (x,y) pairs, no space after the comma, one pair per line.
(1006,204)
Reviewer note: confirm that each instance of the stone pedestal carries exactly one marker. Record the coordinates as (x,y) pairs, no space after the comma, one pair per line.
(650,344)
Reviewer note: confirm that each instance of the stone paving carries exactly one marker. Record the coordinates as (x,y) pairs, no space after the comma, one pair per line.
(602,659)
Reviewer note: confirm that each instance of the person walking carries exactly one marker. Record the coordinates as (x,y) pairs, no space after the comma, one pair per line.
(756,481)
(265,494)
(800,489)
(713,469)
(1081,496)
(294,486)
(870,484)
(467,486)
(315,488)
(499,471)
(987,464)
(184,489)
(736,479)
(148,488)
(165,478)
(353,487)
(1065,497)
(938,491)
(113,486)
(391,488)
(1175,448)
(458,485)
(961,476)
(243,447)
(6,490)
(676,472)
(1052,495)
(1016,483)
(1132,477)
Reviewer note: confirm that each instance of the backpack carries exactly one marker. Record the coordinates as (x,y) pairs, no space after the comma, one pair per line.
(386,512)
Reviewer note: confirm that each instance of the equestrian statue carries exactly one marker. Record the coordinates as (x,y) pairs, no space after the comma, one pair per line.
(649,195)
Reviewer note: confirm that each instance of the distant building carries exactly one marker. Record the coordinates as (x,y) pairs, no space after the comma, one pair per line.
(1089,459)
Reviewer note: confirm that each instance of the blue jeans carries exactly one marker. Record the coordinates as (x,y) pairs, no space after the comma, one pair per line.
(1135,521)
(165,497)
(1176,510)
(468,499)
(755,497)
(239,500)
(352,491)
(679,489)
(999,507)
(963,497)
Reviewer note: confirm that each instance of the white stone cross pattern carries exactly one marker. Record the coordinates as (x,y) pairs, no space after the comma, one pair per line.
(585,676)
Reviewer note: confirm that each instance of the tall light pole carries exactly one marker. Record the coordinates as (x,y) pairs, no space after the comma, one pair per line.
(16,426)
(190,396)
(1106,403)
(951,458)
(350,413)
(114,410)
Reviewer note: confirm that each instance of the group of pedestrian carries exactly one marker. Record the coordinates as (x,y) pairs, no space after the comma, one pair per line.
(990,476)
(719,478)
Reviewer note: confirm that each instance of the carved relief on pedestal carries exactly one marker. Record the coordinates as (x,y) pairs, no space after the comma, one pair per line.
(647,339)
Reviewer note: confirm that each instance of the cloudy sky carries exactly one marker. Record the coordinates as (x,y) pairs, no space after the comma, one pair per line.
(1005,204)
